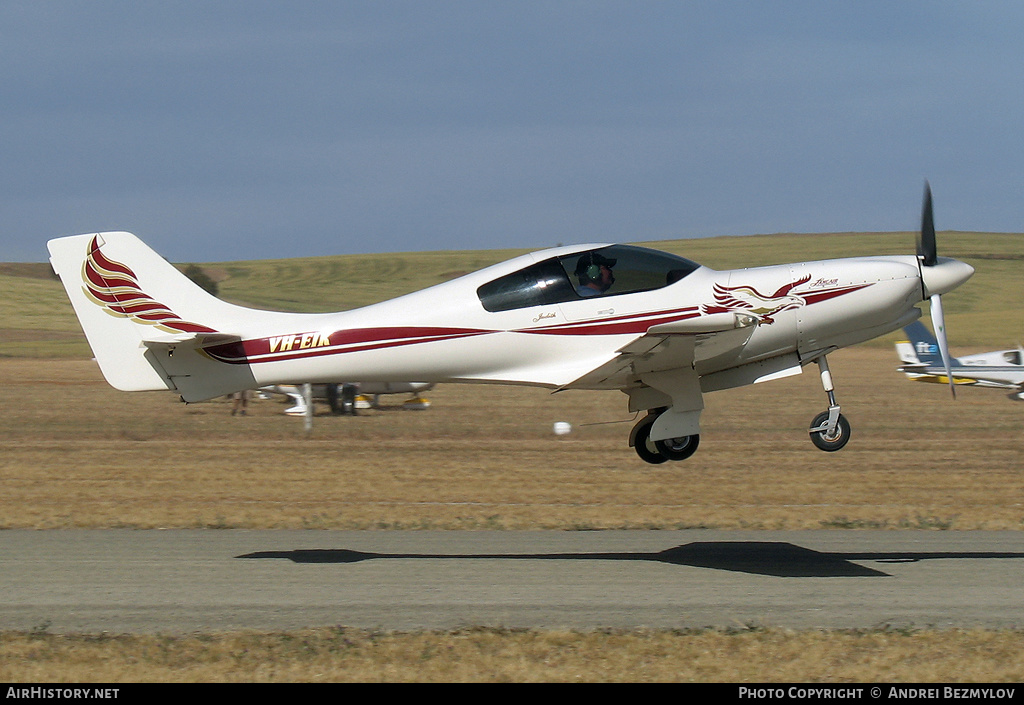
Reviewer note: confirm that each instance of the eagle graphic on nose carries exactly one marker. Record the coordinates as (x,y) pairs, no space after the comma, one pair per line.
(765,307)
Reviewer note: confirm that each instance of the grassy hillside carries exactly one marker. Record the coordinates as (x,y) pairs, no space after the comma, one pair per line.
(36,319)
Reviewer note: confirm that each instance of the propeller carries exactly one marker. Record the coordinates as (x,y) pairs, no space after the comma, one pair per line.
(926,247)
(927,252)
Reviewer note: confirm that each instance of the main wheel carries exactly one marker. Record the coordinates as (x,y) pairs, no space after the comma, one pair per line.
(678,448)
(645,447)
(830,441)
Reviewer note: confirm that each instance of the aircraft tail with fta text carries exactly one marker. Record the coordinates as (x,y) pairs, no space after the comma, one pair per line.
(145,321)
(921,348)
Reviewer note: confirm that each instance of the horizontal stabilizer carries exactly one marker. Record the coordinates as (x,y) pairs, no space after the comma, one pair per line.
(197,340)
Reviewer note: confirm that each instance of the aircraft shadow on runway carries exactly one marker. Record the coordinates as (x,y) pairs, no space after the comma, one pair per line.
(772,558)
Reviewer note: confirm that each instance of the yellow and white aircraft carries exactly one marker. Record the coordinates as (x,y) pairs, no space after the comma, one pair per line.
(661,328)
(922,362)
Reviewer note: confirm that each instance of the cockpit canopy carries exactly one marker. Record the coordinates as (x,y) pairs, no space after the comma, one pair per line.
(605,271)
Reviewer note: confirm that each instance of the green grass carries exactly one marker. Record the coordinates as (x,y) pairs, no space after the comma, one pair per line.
(36,319)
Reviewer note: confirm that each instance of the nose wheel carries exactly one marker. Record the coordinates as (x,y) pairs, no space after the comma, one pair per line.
(829,430)
(827,436)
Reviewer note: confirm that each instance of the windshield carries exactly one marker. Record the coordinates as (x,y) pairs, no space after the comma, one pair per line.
(606,271)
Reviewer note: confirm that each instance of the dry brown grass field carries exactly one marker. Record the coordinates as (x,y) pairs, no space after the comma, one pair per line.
(512,656)
(75,453)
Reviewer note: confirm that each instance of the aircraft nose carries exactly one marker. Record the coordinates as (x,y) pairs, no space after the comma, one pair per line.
(944,276)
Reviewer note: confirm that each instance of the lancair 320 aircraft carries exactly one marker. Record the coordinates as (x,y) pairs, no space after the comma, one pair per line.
(661,328)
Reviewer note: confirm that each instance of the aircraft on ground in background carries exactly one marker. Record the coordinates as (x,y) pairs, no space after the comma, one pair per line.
(348,398)
(922,362)
(659,327)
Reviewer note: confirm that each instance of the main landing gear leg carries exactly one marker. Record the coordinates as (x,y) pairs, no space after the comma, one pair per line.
(829,430)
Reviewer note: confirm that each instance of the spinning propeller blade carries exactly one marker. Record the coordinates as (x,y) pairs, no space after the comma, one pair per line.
(939,324)
(926,247)
(927,251)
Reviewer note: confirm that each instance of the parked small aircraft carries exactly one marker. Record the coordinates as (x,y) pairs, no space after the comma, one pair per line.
(347,398)
(922,362)
(661,328)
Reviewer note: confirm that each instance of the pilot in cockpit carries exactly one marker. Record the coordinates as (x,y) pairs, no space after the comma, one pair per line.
(594,272)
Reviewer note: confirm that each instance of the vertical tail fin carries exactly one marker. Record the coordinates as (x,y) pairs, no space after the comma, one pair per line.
(925,345)
(136,309)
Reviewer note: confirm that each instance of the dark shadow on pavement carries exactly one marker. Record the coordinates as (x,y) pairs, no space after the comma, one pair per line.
(778,559)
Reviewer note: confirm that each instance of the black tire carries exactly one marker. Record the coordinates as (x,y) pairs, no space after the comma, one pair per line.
(830,443)
(645,448)
(678,448)
(332,398)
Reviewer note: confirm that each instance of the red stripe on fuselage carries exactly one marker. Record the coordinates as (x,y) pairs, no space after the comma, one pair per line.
(269,349)
(290,347)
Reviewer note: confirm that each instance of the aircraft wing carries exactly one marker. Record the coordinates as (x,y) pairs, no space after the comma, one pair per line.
(682,344)
(1008,376)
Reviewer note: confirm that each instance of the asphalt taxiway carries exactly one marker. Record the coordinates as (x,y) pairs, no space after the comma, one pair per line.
(181,581)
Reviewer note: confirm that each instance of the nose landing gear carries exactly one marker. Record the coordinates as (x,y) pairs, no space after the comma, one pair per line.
(829,430)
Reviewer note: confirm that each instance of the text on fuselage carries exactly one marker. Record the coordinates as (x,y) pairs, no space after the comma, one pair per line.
(299,341)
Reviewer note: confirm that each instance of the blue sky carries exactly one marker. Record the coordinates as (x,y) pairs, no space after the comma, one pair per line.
(250,130)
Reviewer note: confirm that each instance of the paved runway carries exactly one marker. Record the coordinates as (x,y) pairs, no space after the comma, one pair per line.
(124,581)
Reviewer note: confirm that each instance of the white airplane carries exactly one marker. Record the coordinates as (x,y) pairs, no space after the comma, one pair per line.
(922,362)
(662,329)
